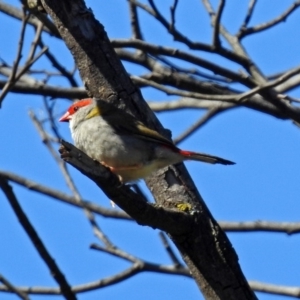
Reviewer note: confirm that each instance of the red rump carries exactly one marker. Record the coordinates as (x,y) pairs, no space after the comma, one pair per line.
(186,154)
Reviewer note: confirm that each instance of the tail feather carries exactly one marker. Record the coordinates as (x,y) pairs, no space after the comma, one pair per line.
(205,158)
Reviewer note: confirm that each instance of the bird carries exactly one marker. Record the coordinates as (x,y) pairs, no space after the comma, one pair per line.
(122,143)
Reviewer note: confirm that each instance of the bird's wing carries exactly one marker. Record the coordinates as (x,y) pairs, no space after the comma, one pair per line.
(130,126)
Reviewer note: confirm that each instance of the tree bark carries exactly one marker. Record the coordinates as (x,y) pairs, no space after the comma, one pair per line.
(205,248)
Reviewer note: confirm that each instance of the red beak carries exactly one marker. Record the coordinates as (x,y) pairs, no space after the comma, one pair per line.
(65,118)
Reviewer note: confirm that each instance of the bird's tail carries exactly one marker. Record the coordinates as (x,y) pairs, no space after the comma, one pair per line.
(205,158)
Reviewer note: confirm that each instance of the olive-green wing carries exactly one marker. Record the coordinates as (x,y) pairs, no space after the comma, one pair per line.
(128,125)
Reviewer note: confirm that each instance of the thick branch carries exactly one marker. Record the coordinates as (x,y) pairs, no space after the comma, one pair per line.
(134,205)
(204,245)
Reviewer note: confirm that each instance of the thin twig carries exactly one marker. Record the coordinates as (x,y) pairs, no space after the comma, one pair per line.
(248,16)
(178,36)
(35,42)
(139,191)
(261,226)
(16,13)
(13,288)
(173,19)
(258,28)
(68,75)
(216,37)
(48,144)
(143,265)
(194,71)
(52,120)
(21,72)
(170,251)
(237,47)
(11,78)
(255,285)
(134,21)
(55,194)
(115,251)
(203,120)
(188,57)
(168,91)
(36,241)
(185,103)
(275,289)
(62,165)
(270,84)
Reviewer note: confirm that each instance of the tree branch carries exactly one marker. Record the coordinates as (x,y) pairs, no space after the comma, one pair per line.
(16,13)
(13,288)
(244,31)
(37,242)
(204,244)
(143,212)
(267,226)
(216,37)
(55,194)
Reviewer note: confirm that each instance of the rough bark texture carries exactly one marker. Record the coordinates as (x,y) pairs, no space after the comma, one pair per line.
(206,249)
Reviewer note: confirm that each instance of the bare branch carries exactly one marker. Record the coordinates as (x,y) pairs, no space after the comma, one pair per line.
(12,77)
(55,194)
(16,13)
(46,90)
(168,73)
(36,241)
(117,252)
(216,38)
(13,288)
(278,105)
(144,266)
(286,227)
(49,106)
(203,120)
(68,75)
(267,226)
(136,268)
(143,212)
(134,21)
(35,42)
(255,285)
(270,84)
(183,55)
(88,213)
(275,289)
(168,91)
(258,28)
(170,251)
(139,191)
(248,17)
(173,11)
(237,47)
(242,60)
(21,72)
(185,102)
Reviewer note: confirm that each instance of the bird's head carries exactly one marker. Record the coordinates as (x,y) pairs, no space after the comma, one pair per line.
(75,108)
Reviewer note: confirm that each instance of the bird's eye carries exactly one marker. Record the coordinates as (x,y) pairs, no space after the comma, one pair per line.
(76,108)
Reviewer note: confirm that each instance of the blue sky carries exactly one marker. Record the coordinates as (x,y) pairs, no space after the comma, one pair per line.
(263,185)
